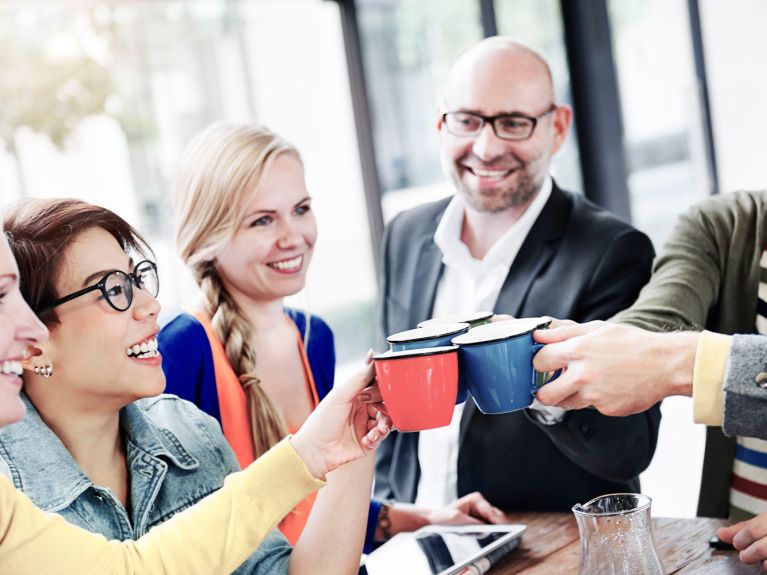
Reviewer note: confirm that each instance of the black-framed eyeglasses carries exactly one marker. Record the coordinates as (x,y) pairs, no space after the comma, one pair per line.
(117,287)
(515,126)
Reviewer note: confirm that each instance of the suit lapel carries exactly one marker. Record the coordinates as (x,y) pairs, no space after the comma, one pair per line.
(521,276)
(536,252)
(427,273)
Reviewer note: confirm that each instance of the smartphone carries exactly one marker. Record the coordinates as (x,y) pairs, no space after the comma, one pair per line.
(717,543)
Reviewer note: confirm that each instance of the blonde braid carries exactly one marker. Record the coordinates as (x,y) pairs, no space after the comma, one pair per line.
(267,426)
(220,176)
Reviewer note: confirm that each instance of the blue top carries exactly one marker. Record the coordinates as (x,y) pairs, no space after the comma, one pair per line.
(187,361)
(176,455)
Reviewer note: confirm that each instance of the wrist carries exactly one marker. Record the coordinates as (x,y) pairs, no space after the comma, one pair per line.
(680,351)
(310,455)
(383,523)
(401,517)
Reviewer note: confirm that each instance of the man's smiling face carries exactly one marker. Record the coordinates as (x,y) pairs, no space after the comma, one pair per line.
(495,174)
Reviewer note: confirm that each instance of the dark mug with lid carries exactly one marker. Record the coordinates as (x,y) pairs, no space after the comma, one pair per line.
(496,362)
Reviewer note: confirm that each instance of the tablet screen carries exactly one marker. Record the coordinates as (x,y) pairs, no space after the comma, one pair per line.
(439,549)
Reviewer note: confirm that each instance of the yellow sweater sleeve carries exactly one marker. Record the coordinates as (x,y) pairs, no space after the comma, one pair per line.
(708,378)
(214,536)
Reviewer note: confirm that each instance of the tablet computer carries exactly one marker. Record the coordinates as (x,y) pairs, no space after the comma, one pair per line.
(443,549)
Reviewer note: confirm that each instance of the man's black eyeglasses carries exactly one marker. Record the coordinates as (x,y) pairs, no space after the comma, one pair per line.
(515,126)
(117,286)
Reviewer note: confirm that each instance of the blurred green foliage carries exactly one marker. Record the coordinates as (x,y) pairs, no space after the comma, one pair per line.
(48,84)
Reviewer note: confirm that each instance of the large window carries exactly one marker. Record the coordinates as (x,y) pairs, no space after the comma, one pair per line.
(100,99)
(407,49)
(538,23)
(661,111)
(735,48)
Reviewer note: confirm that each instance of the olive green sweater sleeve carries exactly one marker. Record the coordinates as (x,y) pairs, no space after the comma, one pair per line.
(707,275)
(214,536)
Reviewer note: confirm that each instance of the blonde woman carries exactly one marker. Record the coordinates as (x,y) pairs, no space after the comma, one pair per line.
(247,232)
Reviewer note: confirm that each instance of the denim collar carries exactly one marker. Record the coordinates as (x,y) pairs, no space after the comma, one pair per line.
(43,468)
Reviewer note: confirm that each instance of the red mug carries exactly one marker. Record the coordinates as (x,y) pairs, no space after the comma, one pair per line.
(419,386)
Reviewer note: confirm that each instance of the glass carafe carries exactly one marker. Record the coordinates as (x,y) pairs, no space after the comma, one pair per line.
(616,536)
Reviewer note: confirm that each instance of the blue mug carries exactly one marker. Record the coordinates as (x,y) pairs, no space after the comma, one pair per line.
(431,336)
(496,362)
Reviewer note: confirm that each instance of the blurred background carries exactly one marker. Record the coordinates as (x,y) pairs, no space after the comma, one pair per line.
(99,98)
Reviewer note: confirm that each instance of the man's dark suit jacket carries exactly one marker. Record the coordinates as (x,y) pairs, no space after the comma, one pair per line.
(578,262)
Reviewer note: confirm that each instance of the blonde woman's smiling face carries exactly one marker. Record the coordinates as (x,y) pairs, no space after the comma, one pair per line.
(19,329)
(268,257)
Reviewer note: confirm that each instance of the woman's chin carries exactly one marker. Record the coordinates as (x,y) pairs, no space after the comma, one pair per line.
(147,389)
(153,389)
(11,410)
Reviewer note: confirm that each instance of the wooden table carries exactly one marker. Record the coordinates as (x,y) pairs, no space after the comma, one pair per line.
(551,546)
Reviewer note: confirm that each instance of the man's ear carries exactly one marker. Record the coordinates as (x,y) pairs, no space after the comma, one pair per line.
(562,118)
(441,109)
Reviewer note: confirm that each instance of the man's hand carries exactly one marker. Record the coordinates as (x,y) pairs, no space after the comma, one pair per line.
(469,509)
(748,537)
(619,370)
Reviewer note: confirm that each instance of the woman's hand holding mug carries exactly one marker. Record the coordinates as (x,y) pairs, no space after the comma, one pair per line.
(343,427)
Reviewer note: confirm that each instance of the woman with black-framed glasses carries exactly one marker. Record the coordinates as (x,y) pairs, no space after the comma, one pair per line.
(116,286)
(99,446)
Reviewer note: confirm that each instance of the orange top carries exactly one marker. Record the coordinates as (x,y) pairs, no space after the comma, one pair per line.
(235,419)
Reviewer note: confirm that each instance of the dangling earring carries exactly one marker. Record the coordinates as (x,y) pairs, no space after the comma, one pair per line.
(44,370)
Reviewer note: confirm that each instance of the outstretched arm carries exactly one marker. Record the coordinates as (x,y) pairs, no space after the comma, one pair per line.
(339,516)
(217,534)
(619,370)
(214,536)
(615,448)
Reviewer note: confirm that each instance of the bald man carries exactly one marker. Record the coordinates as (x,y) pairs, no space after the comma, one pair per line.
(512,241)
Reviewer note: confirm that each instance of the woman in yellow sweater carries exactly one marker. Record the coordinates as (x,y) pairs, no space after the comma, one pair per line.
(215,535)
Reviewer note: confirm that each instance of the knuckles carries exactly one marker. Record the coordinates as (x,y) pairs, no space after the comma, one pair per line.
(612,410)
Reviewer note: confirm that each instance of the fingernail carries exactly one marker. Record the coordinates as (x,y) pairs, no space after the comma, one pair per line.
(364,396)
(32,351)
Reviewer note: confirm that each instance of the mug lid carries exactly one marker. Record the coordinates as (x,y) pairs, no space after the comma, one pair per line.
(501,330)
(468,317)
(421,333)
(415,352)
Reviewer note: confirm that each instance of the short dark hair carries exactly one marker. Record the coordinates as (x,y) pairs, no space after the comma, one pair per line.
(40,231)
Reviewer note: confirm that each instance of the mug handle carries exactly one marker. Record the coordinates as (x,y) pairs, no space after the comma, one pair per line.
(540,377)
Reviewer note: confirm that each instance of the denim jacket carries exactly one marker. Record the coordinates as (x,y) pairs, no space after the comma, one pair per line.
(176,456)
